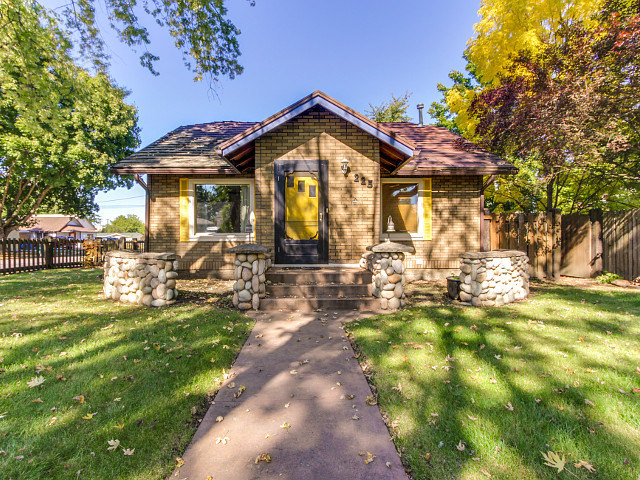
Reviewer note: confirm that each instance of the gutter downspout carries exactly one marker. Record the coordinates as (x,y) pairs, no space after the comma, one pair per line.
(482,189)
(147,210)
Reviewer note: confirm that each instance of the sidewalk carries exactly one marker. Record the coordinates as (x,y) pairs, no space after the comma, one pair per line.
(299,376)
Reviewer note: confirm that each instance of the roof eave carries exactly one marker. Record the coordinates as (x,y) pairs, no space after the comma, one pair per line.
(130,170)
(441,171)
(317,98)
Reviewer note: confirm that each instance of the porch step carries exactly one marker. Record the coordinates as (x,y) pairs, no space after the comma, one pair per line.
(311,290)
(300,276)
(307,289)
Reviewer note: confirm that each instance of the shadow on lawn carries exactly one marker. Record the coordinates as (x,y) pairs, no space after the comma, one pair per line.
(157,362)
(549,412)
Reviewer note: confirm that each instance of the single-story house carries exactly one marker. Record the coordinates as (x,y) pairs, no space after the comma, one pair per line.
(128,236)
(56,226)
(317,182)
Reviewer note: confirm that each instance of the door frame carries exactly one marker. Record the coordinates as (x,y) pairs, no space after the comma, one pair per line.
(280,170)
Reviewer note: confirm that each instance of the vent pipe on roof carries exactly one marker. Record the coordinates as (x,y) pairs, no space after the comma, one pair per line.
(420,107)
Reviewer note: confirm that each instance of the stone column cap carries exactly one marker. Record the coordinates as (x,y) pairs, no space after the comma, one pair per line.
(391,247)
(493,254)
(248,248)
(146,256)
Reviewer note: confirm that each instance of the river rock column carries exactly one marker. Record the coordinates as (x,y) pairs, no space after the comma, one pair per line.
(141,278)
(251,265)
(493,278)
(386,262)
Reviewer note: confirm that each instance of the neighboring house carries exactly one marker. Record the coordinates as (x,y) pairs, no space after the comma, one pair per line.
(127,236)
(280,183)
(57,226)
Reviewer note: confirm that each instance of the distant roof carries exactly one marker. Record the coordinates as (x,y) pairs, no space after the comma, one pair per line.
(58,223)
(228,147)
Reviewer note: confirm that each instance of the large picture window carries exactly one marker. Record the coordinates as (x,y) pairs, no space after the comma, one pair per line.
(222,208)
(217,209)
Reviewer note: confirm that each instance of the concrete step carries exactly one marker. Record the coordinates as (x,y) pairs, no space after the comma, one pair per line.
(299,276)
(323,303)
(318,290)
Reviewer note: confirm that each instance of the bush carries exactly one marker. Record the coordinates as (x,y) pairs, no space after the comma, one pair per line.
(607,277)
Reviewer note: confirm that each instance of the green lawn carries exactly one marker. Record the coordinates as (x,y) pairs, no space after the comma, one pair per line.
(477,393)
(111,372)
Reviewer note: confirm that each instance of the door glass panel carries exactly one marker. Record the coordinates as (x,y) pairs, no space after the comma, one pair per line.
(301,208)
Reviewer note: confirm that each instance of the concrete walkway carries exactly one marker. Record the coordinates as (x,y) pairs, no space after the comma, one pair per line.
(299,376)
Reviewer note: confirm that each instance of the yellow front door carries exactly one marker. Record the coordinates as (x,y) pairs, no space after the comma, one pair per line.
(301,206)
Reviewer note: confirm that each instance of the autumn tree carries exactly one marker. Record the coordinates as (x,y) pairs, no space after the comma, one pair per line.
(61,128)
(125,224)
(570,111)
(395,110)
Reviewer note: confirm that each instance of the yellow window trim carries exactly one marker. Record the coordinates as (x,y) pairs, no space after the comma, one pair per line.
(427,210)
(184,209)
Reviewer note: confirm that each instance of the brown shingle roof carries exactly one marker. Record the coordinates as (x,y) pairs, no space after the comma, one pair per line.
(56,223)
(190,146)
(441,152)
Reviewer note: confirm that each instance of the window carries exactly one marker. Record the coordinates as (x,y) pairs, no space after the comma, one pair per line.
(407,201)
(400,202)
(220,209)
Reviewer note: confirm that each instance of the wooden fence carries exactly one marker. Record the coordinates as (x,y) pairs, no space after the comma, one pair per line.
(17,255)
(574,245)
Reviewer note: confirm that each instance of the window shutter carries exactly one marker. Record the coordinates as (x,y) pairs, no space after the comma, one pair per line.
(184,209)
(427,210)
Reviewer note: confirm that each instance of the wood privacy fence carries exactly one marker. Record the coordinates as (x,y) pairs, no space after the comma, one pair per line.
(574,245)
(18,255)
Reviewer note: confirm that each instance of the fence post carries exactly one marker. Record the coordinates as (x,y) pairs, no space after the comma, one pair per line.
(122,243)
(556,253)
(48,252)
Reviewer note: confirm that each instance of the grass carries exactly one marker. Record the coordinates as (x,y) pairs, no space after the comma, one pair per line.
(141,376)
(476,393)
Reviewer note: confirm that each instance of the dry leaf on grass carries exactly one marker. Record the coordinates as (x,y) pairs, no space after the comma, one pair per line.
(554,461)
(586,465)
(113,444)
(78,398)
(128,451)
(35,381)
(509,407)
(461,446)
(589,402)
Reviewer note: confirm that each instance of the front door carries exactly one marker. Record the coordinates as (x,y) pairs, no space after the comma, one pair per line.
(301,224)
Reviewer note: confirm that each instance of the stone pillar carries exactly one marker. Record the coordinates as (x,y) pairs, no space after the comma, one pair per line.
(493,278)
(386,262)
(251,265)
(141,278)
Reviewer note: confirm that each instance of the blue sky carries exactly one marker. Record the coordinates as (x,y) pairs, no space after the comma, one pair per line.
(357,51)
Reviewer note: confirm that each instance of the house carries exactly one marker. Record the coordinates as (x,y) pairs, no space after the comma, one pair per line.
(129,236)
(318,182)
(57,226)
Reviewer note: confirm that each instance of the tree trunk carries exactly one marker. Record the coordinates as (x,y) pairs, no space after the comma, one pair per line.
(550,184)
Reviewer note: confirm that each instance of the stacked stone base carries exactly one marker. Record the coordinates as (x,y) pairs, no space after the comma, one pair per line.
(141,278)
(386,262)
(493,278)
(251,265)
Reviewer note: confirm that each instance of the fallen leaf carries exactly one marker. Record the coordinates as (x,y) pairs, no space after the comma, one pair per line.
(263,457)
(388,464)
(371,400)
(427,456)
(554,461)
(78,398)
(194,410)
(179,462)
(586,465)
(128,451)
(461,446)
(36,381)
(589,402)
(509,407)
(219,418)
(293,372)
(240,391)
(473,419)
(485,473)
(37,400)
(113,444)
(285,425)
(88,416)
(369,457)
(222,440)
(355,417)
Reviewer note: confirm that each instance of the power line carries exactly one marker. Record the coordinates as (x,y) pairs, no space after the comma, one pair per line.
(120,199)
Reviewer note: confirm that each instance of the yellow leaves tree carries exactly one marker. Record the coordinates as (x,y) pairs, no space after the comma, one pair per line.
(507,27)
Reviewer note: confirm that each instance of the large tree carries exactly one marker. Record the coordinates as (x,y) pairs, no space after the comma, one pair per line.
(395,110)
(61,128)
(125,224)
(571,111)
(200,29)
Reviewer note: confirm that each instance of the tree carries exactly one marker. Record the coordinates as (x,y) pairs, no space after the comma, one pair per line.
(462,92)
(395,110)
(571,112)
(124,224)
(61,128)
(201,31)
